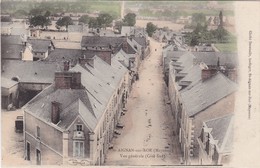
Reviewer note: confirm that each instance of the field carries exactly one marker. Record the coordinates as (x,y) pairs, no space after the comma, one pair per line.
(226,47)
(23,8)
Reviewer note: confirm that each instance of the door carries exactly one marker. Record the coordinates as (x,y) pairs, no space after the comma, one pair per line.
(38,157)
(28,151)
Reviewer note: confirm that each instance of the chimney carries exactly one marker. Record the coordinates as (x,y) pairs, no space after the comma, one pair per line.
(207,73)
(125,46)
(218,63)
(89,61)
(67,80)
(66,65)
(55,112)
(232,74)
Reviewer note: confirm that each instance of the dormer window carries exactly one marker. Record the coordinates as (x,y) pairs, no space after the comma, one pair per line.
(79,127)
(78,133)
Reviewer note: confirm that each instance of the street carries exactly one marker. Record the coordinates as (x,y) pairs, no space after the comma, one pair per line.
(12,142)
(148,137)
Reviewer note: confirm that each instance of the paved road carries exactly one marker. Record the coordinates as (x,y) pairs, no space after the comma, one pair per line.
(147,138)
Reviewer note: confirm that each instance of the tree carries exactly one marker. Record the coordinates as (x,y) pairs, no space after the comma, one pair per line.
(65,21)
(150,28)
(221,34)
(40,21)
(92,22)
(220,19)
(104,20)
(130,19)
(84,19)
(47,14)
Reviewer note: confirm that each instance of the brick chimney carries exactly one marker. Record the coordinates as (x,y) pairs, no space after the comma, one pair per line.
(67,80)
(207,73)
(55,112)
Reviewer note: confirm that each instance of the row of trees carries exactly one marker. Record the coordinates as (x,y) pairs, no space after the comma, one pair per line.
(41,18)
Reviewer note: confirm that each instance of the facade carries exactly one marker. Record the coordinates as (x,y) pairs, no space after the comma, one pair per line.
(40,48)
(9,92)
(215,141)
(197,94)
(14,47)
(82,114)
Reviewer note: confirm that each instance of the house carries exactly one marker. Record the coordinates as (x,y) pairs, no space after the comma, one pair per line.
(216,140)
(9,92)
(101,43)
(113,44)
(197,93)
(225,62)
(204,48)
(127,31)
(14,47)
(40,48)
(81,109)
(31,76)
(163,35)
(60,55)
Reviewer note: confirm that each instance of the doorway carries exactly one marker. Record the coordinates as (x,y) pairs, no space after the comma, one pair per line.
(28,151)
(38,157)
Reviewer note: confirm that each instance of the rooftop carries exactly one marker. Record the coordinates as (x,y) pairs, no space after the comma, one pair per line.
(203,94)
(222,131)
(101,41)
(40,45)
(29,71)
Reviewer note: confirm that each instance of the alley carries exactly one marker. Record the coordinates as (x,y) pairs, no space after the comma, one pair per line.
(148,137)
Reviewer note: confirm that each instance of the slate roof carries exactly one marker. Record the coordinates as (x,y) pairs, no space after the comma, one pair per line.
(211,58)
(205,93)
(123,58)
(40,45)
(30,71)
(99,83)
(11,47)
(222,131)
(130,49)
(60,55)
(72,55)
(193,75)
(97,41)
(141,41)
(7,83)
(73,102)
(104,79)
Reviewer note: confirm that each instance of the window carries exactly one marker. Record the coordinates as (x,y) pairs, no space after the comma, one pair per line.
(38,133)
(79,127)
(78,149)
